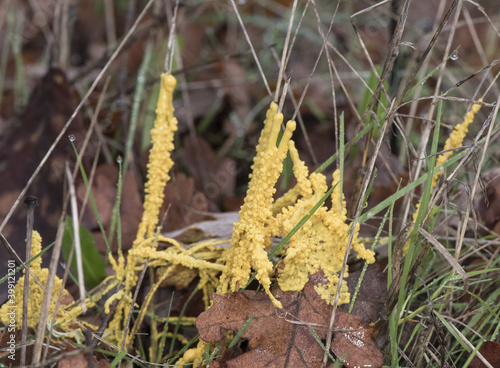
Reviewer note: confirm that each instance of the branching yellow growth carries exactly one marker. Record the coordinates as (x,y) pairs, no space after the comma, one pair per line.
(321,242)
(204,258)
(251,235)
(194,355)
(15,301)
(455,140)
(160,162)
(159,165)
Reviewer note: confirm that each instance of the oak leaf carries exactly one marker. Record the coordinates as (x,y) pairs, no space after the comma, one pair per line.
(283,338)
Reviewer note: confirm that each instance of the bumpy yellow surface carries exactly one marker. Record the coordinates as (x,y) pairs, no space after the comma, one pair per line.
(455,140)
(204,258)
(251,235)
(194,355)
(322,242)
(160,162)
(159,165)
(15,303)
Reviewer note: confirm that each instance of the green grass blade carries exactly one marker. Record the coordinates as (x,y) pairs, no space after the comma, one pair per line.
(241,332)
(19,268)
(118,358)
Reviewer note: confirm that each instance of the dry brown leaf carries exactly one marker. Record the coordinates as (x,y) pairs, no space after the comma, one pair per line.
(80,360)
(184,203)
(371,295)
(104,189)
(75,361)
(491,352)
(9,355)
(213,177)
(22,148)
(488,202)
(282,338)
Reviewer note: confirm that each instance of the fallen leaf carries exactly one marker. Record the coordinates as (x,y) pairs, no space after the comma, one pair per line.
(183,203)
(74,361)
(213,177)
(487,202)
(21,150)
(491,352)
(227,355)
(371,295)
(11,355)
(104,189)
(80,360)
(217,225)
(282,338)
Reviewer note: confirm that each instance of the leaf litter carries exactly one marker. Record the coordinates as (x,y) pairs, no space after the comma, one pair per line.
(283,338)
(490,219)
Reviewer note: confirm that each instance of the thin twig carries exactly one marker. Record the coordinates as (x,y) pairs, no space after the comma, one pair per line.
(132,304)
(171,37)
(247,37)
(30,202)
(284,53)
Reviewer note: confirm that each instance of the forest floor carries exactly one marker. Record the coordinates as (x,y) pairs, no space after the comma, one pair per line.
(398,100)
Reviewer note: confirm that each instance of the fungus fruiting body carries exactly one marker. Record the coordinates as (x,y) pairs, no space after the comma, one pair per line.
(455,140)
(14,305)
(320,243)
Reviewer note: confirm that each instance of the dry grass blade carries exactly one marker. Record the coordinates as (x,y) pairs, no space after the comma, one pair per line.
(360,195)
(47,296)
(247,37)
(477,177)
(110,22)
(360,206)
(469,344)
(12,252)
(423,57)
(92,126)
(324,38)
(449,258)
(76,236)
(284,58)
(85,199)
(132,305)
(61,35)
(360,39)
(31,202)
(481,9)
(171,37)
